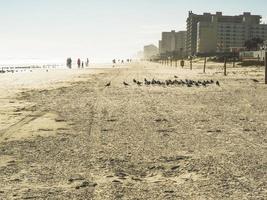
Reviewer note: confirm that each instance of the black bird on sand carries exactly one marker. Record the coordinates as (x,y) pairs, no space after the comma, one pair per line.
(175,76)
(189,85)
(218,83)
(205,83)
(147,82)
(126,84)
(182,82)
(134,81)
(107,85)
(255,80)
(139,83)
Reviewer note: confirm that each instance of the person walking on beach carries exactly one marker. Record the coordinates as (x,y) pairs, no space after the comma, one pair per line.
(82,64)
(69,63)
(79,62)
(114,62)
(87,62)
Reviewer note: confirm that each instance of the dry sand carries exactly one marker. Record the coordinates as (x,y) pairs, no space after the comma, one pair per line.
(80,140)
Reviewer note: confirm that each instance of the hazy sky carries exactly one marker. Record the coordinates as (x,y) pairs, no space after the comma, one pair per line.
(98,29)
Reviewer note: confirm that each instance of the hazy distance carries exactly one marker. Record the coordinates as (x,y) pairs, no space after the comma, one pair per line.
(52,30)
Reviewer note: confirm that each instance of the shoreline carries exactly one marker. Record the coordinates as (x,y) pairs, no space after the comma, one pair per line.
(12,86)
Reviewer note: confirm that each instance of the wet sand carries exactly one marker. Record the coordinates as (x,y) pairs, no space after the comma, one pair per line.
(81,140)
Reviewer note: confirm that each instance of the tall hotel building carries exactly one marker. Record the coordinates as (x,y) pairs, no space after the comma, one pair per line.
(216,33)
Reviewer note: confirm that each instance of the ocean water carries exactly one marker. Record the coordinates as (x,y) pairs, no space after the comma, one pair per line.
(24,64)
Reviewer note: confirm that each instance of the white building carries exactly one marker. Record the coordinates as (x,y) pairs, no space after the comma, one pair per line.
(173,42)
(217,33)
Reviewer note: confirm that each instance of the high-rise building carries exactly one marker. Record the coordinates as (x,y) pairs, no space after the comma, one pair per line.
(172,42)
(168,42)
(180,41)
(216,33)
(192,30)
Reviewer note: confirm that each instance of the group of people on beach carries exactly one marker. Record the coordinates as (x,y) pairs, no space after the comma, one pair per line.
(120,61)
(80,63)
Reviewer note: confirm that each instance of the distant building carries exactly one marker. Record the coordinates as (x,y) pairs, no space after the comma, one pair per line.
(254,55)
(264,46)
(216,33)
(160,47)
(180,41)
(192,30)
(168,42)
(150,51)
(173,42)
(206,38)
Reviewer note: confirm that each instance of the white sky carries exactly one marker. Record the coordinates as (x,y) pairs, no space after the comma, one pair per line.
(101,30)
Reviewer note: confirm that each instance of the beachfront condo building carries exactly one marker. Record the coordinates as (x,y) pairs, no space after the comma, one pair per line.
(192,30)
(172,43)
(180,41)
(150,51)
(217,33)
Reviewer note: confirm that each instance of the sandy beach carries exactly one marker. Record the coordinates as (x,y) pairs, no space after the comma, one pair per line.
(64,135)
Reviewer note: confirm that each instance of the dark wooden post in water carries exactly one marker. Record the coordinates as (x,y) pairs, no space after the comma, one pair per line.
(205,61)
(265,59)
(224,67)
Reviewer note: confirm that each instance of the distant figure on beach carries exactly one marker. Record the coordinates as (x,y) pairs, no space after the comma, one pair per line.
(87,62)
(122,61)
(79,62)
(114,62)
(69,63)
(82,64)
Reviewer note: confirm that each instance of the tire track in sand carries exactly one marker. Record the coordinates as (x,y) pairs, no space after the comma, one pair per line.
(8,132)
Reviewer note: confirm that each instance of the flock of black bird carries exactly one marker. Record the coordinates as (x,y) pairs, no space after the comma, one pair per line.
(169,82)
